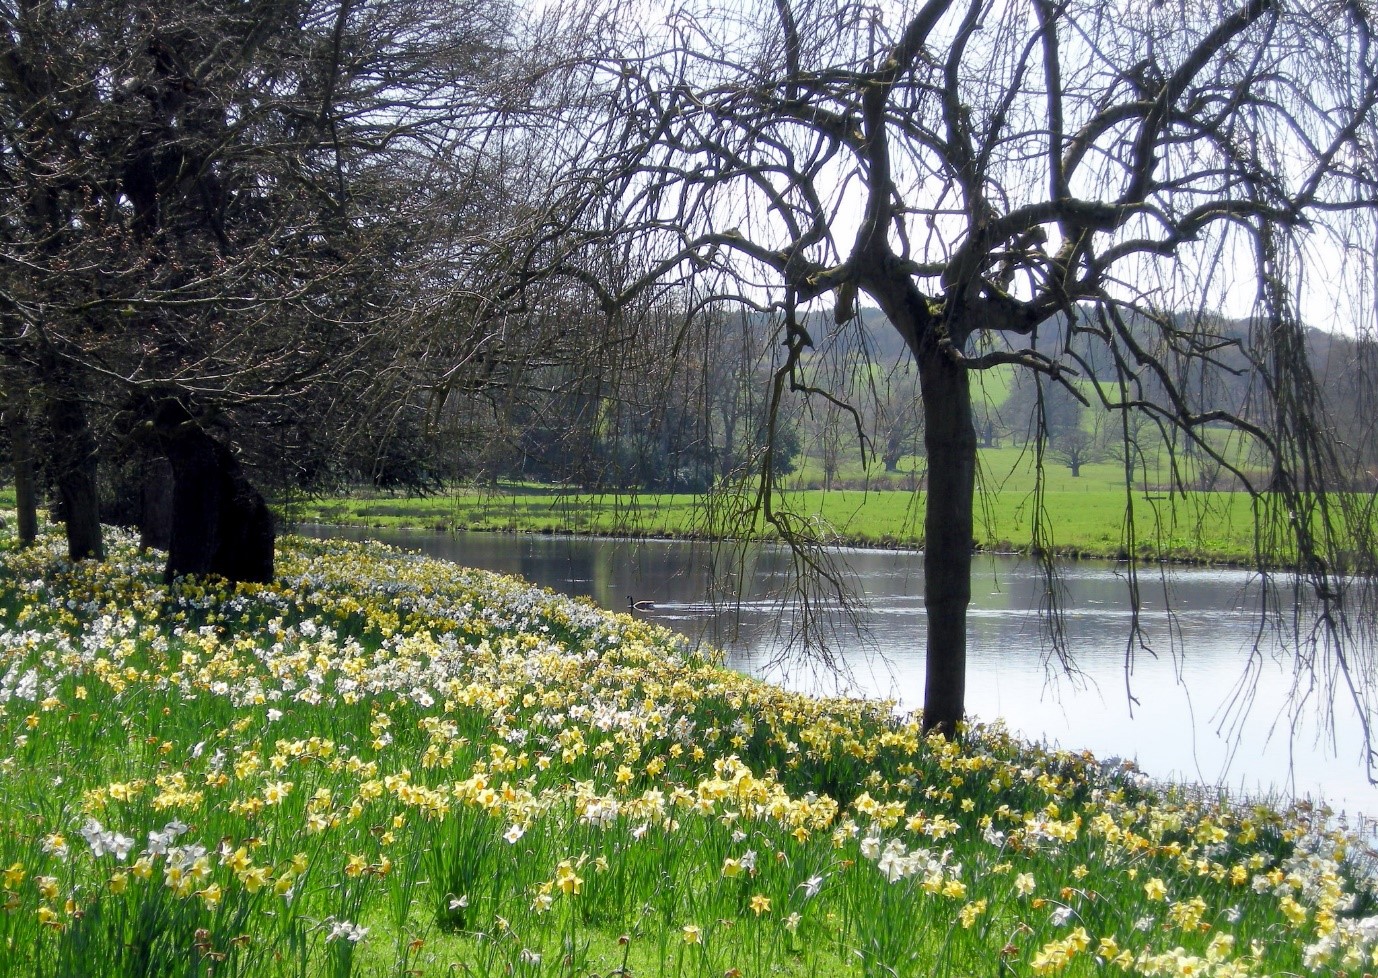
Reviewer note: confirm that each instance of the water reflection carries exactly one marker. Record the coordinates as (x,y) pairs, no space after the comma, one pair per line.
(1171,701)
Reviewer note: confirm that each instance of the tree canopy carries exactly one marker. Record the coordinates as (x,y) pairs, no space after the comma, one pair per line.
(228,231)
(996,176)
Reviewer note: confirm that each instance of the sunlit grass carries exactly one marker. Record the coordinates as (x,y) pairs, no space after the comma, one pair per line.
(387,765)
(1087,517)
(1018,509)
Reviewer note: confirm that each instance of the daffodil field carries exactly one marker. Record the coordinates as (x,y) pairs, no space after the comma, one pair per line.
(386,765)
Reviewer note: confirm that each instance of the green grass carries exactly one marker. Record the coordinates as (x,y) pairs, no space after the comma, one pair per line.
(386,765)
(1020,507)
(142,733)
(1085,516)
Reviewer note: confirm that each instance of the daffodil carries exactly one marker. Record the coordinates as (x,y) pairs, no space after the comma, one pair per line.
(211,896)
(567,880)
(970,912)
(12,877)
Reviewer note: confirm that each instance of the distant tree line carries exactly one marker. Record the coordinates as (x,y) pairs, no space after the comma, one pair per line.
(684,430)
(624,418)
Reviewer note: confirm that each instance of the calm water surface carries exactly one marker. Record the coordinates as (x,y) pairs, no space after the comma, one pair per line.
(1183,725)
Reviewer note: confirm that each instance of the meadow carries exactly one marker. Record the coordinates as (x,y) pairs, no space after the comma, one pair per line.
(1084,516)
(386,765)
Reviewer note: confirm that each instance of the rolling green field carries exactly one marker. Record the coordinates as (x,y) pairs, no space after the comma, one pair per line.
(1084,516)
(384,765)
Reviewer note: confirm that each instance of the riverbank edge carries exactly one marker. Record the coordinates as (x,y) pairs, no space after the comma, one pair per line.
(886,544)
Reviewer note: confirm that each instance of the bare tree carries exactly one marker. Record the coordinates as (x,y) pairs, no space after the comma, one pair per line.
(1074,448)
(896,420)
(1017,184)
(216,223)
(736,378)
(826,435)
(1038,409)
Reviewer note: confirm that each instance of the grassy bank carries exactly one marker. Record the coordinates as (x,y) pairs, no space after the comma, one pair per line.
(386,765)
(1086,519)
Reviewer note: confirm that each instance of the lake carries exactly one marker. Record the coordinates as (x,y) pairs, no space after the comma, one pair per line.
(1190,677)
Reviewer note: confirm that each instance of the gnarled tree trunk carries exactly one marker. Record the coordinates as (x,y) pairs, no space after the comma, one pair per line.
(950,437)
(74,471)
(220,523)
